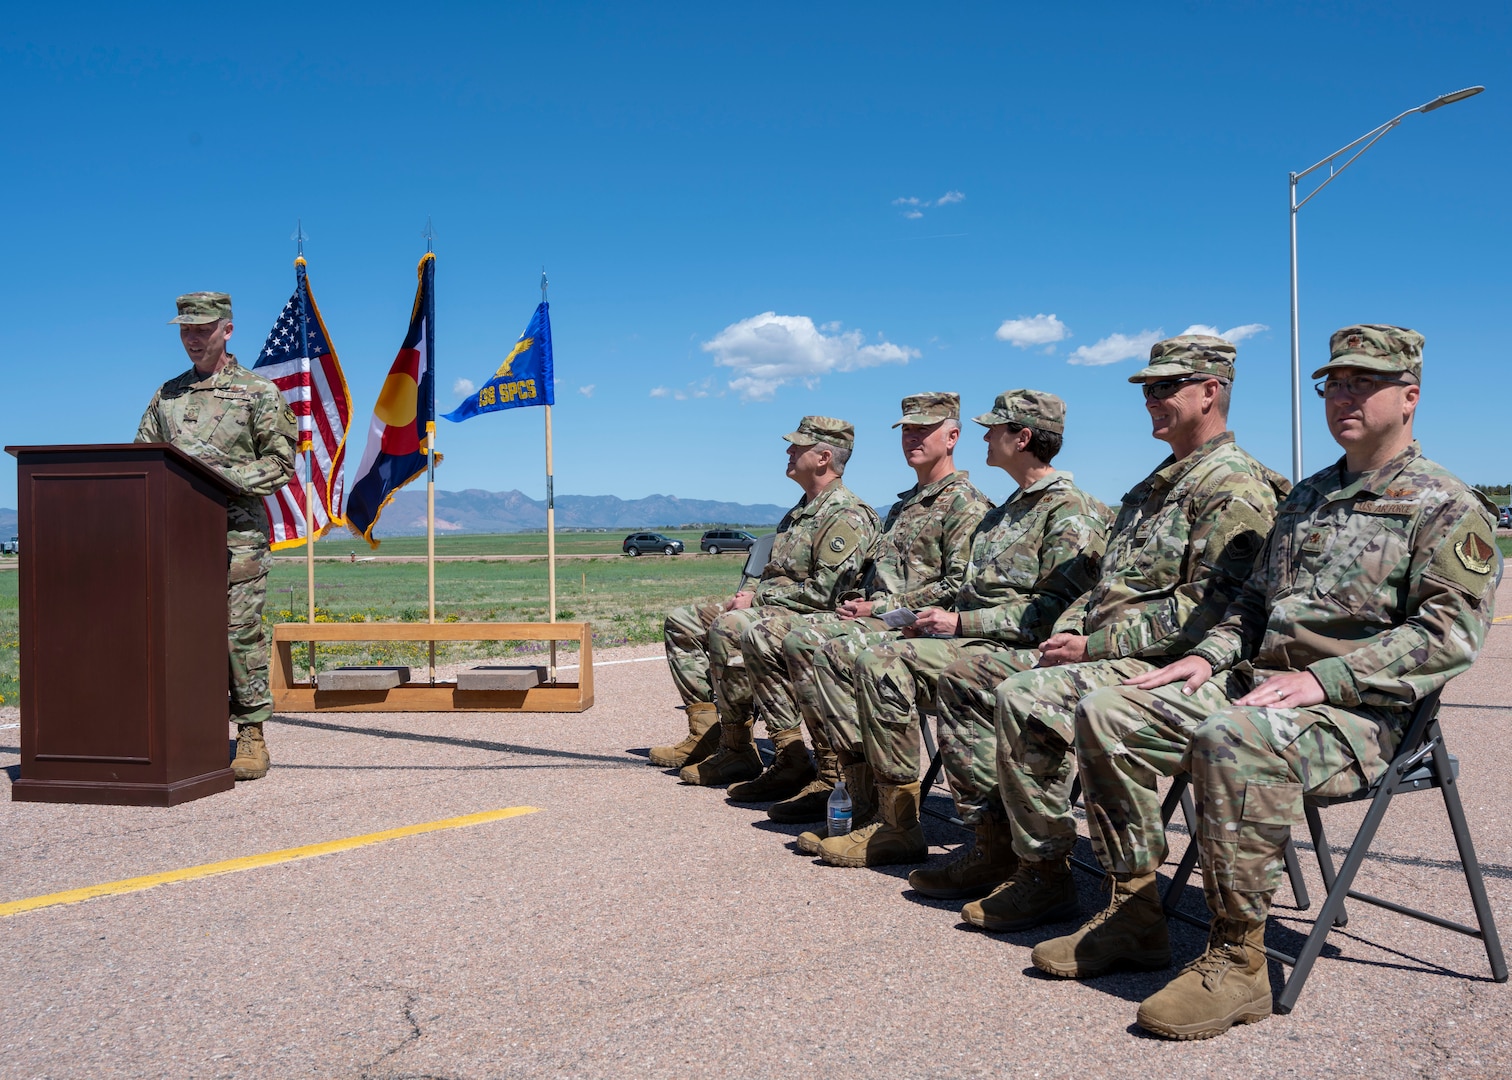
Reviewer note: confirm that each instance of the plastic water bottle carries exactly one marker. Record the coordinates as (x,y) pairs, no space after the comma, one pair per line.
(839,810)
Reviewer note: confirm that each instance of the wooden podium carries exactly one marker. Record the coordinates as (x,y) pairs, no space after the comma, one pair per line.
(124,660)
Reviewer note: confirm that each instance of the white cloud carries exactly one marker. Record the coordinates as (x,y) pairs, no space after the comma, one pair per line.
(1235,334)
(1115,347)
(463,387)
(769,350)
(660,391)
(914,206)
(1027,331)
(587,391)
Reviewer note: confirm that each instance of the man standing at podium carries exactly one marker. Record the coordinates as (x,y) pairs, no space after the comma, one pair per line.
(238,424)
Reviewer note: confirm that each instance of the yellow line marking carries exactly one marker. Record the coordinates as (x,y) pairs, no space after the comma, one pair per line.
(253,862)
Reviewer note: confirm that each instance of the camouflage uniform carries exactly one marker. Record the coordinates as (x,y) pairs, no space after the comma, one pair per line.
(816,557)
(1184,541)
(1380,584)
(919,561)
(1030,558)
(238,424)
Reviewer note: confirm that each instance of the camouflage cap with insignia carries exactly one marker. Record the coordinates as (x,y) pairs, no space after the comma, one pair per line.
(930,408)
(1029,408)
(1375,348)
(202,307)
(1189,354)
(825,429)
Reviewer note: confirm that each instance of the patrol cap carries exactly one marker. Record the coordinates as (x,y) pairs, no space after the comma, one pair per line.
(1189,354)
(1375,348)
(1029,408)
(825,429)
(202,307)
(930,408)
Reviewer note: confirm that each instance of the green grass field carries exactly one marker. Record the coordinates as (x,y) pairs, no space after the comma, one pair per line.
(625,600)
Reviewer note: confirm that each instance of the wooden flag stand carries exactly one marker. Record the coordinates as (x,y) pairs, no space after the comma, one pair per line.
(430,695)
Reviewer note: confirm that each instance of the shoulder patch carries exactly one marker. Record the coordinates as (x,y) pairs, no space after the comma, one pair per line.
(288,415)
(1237,538)
(1475,553)
(837,542)
(1468,559)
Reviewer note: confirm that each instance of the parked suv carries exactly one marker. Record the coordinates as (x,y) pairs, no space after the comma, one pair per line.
(636,543)
(716,540)
(1503,520)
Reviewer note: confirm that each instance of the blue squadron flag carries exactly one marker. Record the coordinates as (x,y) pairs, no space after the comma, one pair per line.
(404,416)
(525,377)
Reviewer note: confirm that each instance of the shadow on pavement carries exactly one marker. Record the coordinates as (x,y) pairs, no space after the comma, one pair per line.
(451,740)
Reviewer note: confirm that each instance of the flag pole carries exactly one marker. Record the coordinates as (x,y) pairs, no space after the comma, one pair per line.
(309,517)
(551,601)
(430,474)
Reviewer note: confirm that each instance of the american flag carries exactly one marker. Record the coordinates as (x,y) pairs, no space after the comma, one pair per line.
(299,359)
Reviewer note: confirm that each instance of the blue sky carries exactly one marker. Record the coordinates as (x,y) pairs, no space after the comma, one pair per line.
(892,183)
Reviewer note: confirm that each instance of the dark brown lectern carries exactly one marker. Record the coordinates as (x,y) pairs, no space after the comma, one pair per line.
(123,626)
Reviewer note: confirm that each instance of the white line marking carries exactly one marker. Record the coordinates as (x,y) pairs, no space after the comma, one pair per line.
(611,663)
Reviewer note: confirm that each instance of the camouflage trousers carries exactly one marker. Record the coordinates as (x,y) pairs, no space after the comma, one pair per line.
(820,660)
(781,678)
(967,675)
(703,653)
(246,637)
(1250,767)
(899,682)
(1035,716)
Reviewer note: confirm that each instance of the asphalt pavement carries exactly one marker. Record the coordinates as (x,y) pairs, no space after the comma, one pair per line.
(628,925)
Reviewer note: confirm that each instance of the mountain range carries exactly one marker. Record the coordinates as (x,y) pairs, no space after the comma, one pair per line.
(476,511)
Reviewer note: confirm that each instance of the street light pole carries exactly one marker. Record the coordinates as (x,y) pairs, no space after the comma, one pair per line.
(1370,138)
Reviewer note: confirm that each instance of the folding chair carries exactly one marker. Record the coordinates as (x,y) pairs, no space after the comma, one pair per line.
(756,560)
(1422,762)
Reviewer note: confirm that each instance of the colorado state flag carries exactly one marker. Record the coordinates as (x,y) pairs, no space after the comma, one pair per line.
(404,415)
(524,378)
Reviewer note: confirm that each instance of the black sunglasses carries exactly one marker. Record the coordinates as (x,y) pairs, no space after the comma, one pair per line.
(1159,391)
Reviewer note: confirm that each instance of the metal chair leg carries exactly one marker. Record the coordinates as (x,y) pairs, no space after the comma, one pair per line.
(1483,917)
(1333,906)
(1294,873)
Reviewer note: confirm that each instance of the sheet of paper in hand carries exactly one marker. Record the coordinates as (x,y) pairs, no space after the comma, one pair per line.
(898,618)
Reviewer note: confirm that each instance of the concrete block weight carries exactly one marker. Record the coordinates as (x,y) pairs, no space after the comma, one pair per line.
(500,677)
(362,678)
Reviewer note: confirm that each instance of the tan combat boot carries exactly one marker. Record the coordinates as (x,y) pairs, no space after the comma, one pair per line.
(1037,892)
(1129,933)
(252,760)
(811,803)
(892,839)
(861,783)
(790,769)
(1228,984)
(736,758)
(988,864)
(701,741)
